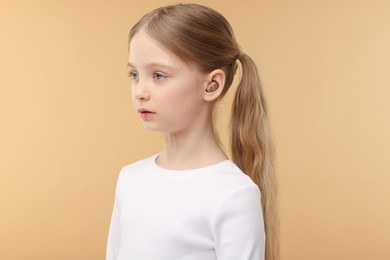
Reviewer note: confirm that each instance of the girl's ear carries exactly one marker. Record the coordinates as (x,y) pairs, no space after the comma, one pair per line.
(214,85)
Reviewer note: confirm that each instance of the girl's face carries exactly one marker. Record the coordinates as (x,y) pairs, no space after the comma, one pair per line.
(167,93)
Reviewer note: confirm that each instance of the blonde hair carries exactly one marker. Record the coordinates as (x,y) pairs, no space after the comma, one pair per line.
(202,36)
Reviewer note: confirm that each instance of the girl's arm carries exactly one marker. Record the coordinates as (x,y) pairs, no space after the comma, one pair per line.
(113,241)
(238,226)
(114,234)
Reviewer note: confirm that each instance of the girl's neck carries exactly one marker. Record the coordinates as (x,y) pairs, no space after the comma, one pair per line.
(191,150)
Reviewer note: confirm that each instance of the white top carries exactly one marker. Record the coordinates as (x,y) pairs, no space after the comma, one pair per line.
(207,213)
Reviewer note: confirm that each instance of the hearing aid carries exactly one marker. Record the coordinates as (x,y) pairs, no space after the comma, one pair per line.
(212,86)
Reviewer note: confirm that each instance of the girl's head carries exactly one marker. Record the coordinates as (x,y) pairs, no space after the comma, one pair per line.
(196,34)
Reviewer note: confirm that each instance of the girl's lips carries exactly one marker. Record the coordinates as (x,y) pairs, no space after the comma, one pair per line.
(145,114)
(142,110)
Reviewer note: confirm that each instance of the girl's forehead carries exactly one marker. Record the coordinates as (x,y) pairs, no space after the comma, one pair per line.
(143,46)
(144,50)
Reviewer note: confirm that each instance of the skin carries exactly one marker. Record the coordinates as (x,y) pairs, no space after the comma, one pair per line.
(170,97)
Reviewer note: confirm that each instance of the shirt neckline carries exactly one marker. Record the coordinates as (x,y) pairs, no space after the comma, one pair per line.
(190,173)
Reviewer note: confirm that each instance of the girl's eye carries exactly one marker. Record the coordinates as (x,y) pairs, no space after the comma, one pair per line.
(159,76)
(133,75)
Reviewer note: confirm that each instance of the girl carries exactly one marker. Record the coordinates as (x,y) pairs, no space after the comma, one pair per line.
(190,202)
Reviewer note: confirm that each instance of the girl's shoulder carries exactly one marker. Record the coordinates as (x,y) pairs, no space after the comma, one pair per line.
(229,177)
(140,164)
(227,173)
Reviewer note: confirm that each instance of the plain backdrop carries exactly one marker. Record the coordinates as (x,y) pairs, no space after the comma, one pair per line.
(67,125)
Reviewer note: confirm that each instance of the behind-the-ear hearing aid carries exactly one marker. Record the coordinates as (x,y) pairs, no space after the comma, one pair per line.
(212,86)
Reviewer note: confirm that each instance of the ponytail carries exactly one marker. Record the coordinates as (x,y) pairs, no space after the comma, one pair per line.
(252,149)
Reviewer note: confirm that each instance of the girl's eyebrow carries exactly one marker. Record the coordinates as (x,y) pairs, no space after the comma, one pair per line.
(151,65)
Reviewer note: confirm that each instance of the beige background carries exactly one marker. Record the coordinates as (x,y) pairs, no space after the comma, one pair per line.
(67,124)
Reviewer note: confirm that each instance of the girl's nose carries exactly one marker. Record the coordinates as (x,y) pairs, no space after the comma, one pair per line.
(141,91)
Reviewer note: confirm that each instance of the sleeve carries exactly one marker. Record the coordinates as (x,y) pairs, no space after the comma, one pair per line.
(113,240)
(238,226)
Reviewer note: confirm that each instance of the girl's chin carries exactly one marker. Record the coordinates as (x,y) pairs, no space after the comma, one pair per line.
(151,127)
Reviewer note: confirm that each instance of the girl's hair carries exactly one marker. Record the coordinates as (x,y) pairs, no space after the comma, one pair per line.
(202,36)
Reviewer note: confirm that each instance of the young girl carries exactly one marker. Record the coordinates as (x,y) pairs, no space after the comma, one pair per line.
(190,202)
